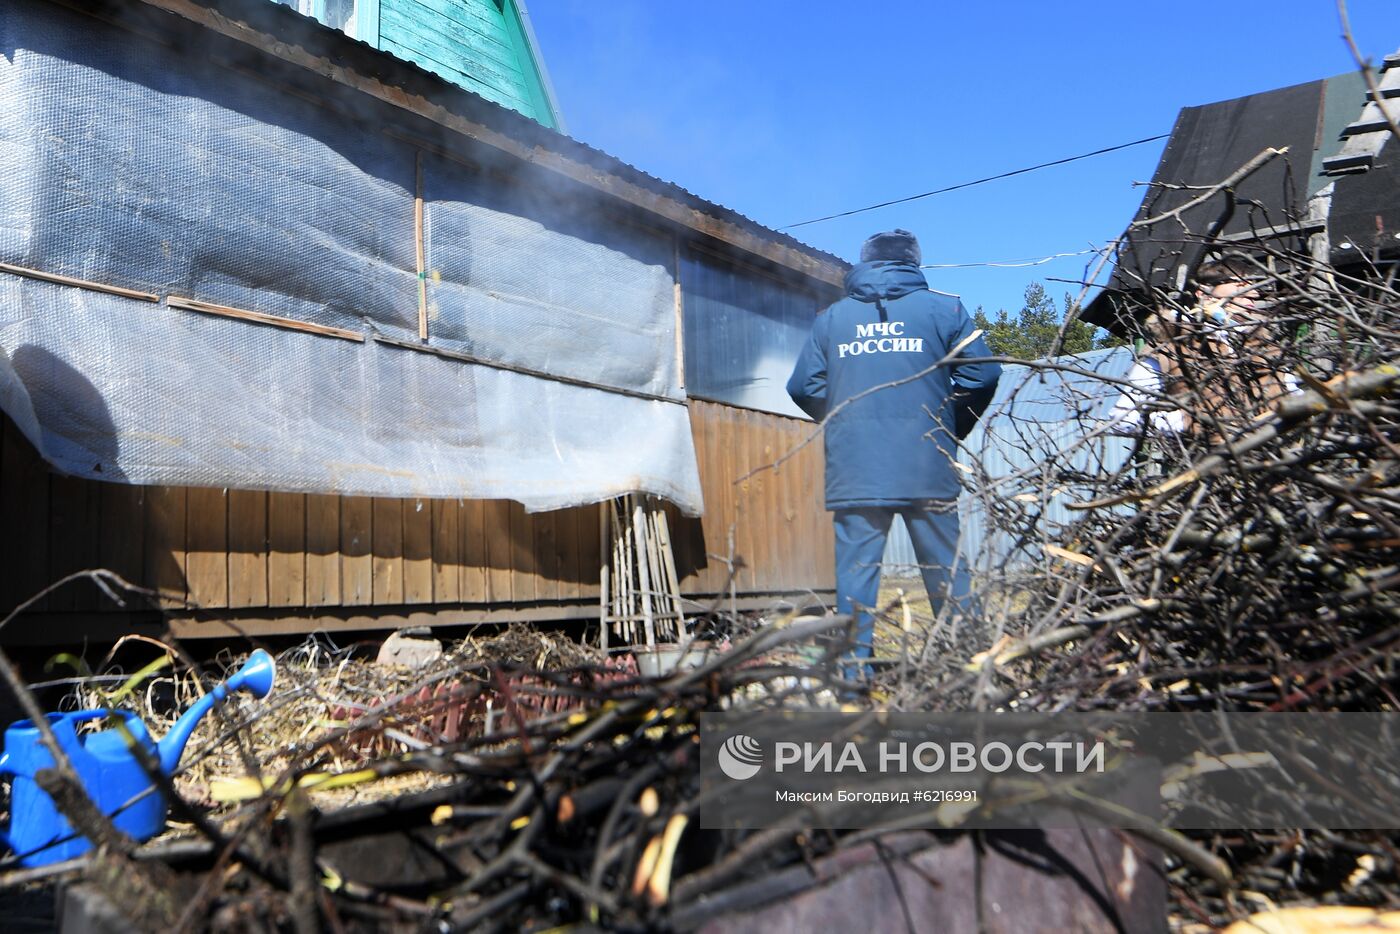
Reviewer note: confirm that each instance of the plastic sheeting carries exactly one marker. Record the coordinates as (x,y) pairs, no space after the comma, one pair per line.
(130,164)
(744,331)
(531,277)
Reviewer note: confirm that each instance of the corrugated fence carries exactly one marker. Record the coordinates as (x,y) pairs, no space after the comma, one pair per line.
(1044,429)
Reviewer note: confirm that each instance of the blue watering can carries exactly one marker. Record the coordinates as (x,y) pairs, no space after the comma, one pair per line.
(109,770)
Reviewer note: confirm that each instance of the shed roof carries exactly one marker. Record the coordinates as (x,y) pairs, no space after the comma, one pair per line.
(1334,145)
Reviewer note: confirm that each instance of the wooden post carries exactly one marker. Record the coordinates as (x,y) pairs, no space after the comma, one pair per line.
(604,621)
(604,617)
(668,557)
(653,569)
(643,579)
(622,576)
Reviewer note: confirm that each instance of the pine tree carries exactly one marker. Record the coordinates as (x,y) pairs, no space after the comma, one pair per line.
(1031,334)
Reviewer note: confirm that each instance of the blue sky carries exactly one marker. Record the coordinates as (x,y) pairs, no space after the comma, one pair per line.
(787,110)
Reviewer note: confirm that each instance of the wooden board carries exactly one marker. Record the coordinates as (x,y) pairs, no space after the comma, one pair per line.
(447,570)
(785,514)
(744,501)
(74,518)
(694,572)
(590,550)
(546,555)
(207,547)
(707,575)
(287,552)
(122,539)
(24,517)
(496,528)
(721,535)
(164,541)
(475,564)
(688,549)
(732,462)
(356,561)
(767,569)
(569,548)
(417,551)
(247,548)
(323,550)
(258,317)
(388,551)
(524,565)
(803,480)
(782,529)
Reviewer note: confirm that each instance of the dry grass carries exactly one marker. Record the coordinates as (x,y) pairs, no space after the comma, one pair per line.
(247,742)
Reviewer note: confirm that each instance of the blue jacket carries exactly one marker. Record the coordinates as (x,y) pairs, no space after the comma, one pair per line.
(895,446)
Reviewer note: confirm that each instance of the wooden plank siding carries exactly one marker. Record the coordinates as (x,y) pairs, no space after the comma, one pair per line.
(287,549)
(322,550)
(206,546)
(417,551)
(24,517)
(447,539)
(782,533)
(249,554)
(475,44)
(247,548)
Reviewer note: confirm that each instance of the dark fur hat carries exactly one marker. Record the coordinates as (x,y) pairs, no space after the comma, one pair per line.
(894,245)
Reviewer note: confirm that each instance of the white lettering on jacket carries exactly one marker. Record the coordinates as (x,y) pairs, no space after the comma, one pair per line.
(880,337)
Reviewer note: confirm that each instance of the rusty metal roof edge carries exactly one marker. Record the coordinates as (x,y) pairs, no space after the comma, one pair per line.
(281,32)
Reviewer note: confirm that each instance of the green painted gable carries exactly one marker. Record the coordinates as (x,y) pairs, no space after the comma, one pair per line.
(485,46)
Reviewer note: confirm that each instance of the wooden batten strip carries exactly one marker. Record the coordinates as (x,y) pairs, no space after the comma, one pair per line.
(258,317)
(525,370)
(680,313)
(418,247)
(77,283)
(673,580)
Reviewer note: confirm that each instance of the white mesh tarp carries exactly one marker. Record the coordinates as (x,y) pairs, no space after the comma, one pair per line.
(127,163)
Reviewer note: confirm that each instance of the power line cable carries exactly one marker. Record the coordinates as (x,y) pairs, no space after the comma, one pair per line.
(1011,264)
(980,181)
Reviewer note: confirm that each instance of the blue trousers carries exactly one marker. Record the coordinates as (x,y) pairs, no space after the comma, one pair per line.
(860,546)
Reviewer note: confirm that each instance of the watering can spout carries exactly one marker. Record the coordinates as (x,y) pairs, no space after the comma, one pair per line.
(255,677)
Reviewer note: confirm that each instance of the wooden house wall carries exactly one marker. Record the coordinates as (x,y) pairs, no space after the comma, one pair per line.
(479,45)
(241,553)
(317,559)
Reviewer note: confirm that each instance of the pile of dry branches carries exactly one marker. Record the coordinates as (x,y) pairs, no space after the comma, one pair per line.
(1245,563)
(339,802)
(1244,558)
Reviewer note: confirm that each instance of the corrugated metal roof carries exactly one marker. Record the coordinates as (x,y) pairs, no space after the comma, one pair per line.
(1044,428)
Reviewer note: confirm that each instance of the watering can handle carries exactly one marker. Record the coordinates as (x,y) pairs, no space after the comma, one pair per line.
(79,716)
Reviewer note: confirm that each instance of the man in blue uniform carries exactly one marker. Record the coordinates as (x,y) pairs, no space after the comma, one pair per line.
(890,450)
